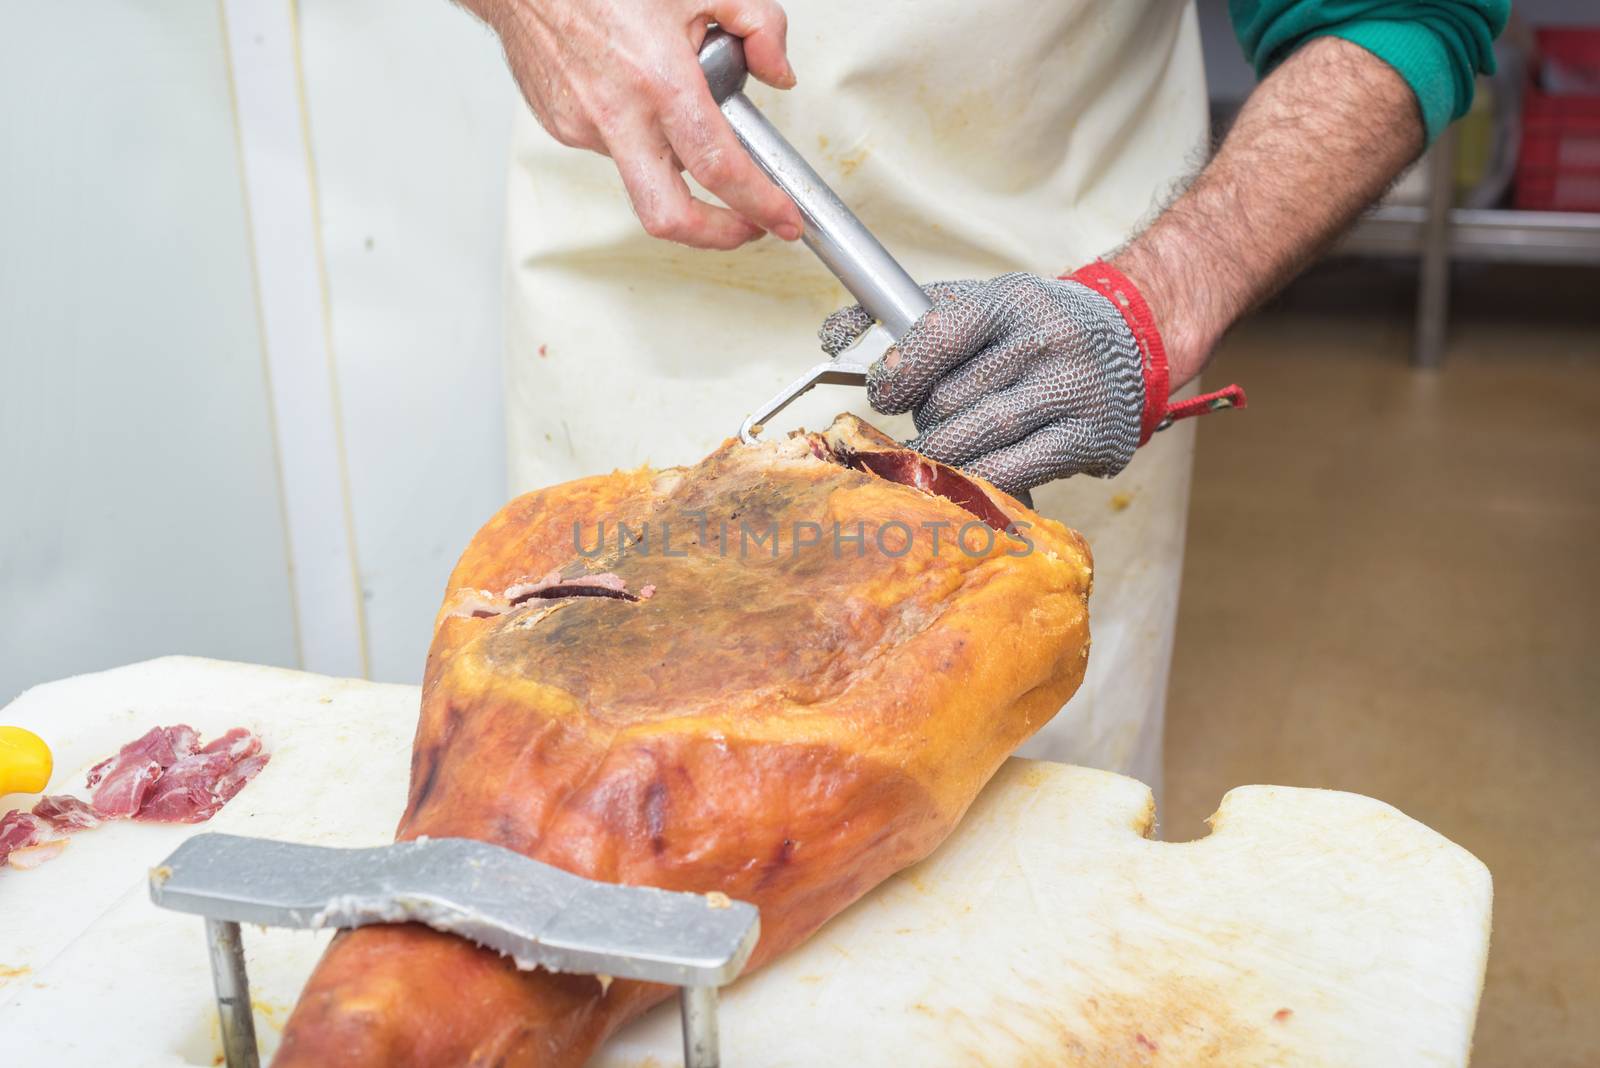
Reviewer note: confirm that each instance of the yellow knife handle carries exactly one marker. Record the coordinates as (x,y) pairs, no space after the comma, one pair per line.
(25,762)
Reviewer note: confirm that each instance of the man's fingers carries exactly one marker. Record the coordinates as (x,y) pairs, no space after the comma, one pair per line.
(705,143)
(1004,416)
(960,324)
(1056,451)
(840,330)
(996,367)
(662,202)
(765,29)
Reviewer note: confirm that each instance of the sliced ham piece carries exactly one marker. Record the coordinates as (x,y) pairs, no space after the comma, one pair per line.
(21,830)
(123,786)
(196,787)
(164,776)
(237,744)
(185,792)
(239,775)
(66,813)
(163,746)
(14,833)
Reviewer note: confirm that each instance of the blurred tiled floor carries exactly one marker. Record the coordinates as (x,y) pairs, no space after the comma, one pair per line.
(1393,587)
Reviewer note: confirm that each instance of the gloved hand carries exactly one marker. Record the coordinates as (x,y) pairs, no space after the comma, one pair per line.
(1021,379)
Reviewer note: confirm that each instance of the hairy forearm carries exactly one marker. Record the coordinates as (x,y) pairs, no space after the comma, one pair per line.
(1315,144)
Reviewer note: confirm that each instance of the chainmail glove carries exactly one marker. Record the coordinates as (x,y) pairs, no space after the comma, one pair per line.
(1021,379)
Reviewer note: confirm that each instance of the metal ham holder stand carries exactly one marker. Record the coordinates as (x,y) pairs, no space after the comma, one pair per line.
(538,915)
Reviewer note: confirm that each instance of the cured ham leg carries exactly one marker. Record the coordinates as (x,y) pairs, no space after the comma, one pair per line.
(788,724)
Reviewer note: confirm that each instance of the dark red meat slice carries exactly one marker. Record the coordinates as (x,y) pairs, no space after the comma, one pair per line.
(123,787)
(237,776)
(237,744)
(196,787)
(164,776)
(163,746)
(186,792)
(66,813)
(910,469)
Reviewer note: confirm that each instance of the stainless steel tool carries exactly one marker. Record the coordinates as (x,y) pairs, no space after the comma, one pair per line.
(537,915)
(831,230)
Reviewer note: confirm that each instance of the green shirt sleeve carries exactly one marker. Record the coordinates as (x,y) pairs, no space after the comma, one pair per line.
(1437,46)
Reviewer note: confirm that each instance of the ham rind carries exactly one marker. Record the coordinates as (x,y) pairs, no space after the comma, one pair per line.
(66,813)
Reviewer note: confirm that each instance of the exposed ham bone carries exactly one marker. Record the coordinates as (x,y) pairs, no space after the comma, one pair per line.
(164,776)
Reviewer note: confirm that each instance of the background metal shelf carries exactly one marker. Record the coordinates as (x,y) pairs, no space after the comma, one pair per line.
(1482,235)
(1438,233)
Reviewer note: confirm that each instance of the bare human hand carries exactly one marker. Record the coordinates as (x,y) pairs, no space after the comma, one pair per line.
(621,77)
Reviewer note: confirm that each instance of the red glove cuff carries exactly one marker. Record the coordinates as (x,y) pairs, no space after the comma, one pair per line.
(1112,284)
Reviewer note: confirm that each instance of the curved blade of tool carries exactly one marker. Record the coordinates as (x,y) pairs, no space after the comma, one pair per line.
(830,229)
(849,368)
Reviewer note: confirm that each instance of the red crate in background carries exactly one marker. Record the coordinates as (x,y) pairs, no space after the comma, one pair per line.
(1558,167)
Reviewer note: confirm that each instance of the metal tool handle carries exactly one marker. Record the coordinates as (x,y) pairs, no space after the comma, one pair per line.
(831,230)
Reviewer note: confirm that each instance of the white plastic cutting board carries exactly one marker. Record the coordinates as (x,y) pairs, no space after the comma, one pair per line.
(1310,928)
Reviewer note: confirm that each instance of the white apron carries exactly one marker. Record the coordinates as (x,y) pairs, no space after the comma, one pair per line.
(973,139)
